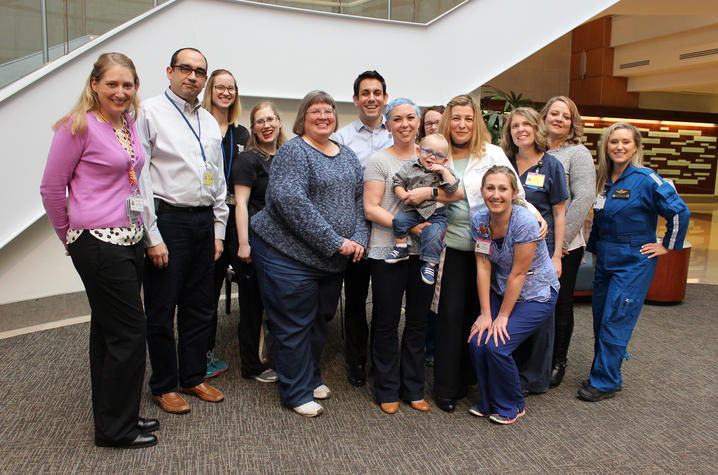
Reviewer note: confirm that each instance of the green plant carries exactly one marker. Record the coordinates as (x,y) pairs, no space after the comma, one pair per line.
(495,119)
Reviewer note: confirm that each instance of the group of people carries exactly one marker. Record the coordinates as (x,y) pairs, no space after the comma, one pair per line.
(476,245)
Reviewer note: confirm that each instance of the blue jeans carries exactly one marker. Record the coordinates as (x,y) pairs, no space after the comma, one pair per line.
(298,300)
(432,237)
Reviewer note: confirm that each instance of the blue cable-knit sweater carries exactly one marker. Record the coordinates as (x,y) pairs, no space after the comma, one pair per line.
(314,201)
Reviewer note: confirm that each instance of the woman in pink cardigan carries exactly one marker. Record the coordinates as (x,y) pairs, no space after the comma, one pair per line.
(96,159)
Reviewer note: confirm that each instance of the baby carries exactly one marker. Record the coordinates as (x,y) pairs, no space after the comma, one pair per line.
(426,171)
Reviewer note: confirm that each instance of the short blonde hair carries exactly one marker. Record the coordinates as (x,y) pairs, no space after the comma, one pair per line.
(235,110)
(576,132)
(540,136)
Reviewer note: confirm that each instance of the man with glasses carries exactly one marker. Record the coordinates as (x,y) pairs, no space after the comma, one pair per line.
(366,135)
(185,216)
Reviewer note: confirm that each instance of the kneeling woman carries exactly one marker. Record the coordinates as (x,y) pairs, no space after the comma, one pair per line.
(516,302)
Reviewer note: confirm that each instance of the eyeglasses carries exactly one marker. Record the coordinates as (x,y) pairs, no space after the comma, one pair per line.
(431,154)
(185,69)
(314,113)
(269,121)
(221,89)
(431,124)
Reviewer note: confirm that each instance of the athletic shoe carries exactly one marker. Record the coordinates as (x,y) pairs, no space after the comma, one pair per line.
(474,411)
(215,366)
(397,254)
(309,409)
(322,392)
(428,273)
(499,419)
(591,394)
(266,376)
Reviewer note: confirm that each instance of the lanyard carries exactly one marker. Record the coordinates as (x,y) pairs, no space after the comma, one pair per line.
(231,154)
(199,125)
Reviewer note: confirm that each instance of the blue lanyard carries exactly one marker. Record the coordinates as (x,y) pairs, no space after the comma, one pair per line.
(199,126)
(231,154)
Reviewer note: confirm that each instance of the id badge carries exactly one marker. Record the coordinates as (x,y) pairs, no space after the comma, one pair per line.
(483,246)
(600,201)
(535,180)
(135,205)
(208,179)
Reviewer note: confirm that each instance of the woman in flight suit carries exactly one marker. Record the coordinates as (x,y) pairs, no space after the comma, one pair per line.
(623,240)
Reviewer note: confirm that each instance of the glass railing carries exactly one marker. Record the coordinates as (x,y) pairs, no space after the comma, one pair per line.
(35,32)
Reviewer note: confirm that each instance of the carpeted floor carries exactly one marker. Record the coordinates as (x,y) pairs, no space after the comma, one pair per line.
(664,420)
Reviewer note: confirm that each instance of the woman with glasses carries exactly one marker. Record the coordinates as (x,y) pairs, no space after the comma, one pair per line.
(430,121)
(220,98)
(543,179)
(398,370)
(312,224)
(470,155)
(96,158)
(249,178)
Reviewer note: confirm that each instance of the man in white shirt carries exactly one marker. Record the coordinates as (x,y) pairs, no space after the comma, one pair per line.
(364,136)
(185,215)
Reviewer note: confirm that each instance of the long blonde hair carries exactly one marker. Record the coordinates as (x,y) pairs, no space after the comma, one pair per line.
(605,164)
(88,99)
(480,135)
(235,110)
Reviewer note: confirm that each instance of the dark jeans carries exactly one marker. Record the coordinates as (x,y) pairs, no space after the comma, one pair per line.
(399,374)
(458,309)
(564,305)
(186,284)
(298,299)
(228,256)
(112,275)
(432,237)
(356,329)
(250,320)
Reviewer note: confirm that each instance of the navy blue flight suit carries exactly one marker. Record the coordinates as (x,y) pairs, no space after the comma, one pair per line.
(627,219)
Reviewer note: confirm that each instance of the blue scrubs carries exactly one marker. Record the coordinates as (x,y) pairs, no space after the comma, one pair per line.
(622,223)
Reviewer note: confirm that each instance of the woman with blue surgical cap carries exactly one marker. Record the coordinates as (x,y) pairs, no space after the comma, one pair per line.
(398,372)
(623,241)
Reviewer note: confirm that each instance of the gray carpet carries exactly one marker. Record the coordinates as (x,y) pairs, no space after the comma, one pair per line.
(664,420)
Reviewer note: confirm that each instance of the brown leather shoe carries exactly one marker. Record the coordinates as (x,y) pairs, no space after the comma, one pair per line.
(172,403)
(389,407)
(205,392)
(420,405)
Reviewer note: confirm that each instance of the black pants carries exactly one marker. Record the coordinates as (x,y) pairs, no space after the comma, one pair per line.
(356,328)
(228,256)
(112,275)
(564,305)
(399,374)
(250,320)
(187,284)
(458,309)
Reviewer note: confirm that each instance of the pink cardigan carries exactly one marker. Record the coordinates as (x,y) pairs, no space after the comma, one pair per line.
(95,169)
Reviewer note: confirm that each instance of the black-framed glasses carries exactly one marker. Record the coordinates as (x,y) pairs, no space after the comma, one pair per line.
(221,89)
(434,123)
(433,154)
(269,121)
(186,69)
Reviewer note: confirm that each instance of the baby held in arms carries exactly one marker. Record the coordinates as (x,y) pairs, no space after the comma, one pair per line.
(427,170)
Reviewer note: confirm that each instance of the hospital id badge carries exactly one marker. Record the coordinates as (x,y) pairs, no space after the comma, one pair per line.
(483,246)
(135,205)
(208,179)
(600,201)
(535,180)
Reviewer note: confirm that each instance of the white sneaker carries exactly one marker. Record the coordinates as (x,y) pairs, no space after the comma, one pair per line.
(309,409)
(322,392)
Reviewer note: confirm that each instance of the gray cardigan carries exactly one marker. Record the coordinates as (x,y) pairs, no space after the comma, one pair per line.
(314,201)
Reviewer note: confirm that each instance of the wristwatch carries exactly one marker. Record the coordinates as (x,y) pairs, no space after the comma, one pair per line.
(434,192)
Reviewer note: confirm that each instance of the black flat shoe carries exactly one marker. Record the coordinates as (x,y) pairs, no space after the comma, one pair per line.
(445,403)
(357,375)
(147,425)
(557,374)
(587,382)
(591,394)
(140,442)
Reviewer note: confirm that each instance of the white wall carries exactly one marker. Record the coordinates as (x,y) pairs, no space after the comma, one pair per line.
(276,52)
